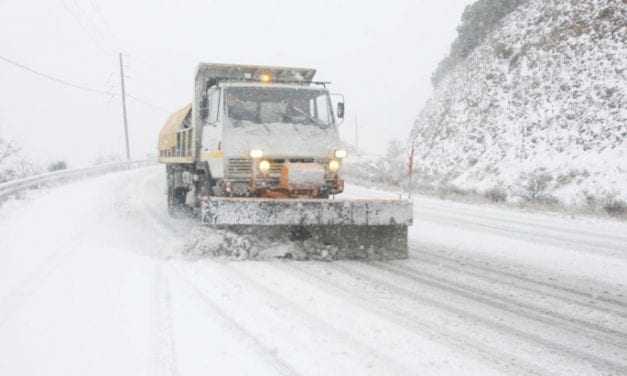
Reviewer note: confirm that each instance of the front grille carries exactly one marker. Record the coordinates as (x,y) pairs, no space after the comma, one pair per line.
(239,167)
(243,166)
(276,167)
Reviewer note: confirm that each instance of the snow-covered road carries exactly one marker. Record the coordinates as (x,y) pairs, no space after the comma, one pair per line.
(92,282)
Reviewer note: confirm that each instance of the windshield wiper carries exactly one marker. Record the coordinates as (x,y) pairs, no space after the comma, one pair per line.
(313,120)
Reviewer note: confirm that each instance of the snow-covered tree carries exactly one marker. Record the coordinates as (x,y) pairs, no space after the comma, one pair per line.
(13,165)
(394,149)
(7,149)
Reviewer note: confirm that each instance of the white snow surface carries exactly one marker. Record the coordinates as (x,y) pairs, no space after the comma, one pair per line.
(539,110)
(92,282)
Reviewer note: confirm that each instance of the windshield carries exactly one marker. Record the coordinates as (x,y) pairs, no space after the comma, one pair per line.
(266,105)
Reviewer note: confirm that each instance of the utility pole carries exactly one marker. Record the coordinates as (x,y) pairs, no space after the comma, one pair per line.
(128,148)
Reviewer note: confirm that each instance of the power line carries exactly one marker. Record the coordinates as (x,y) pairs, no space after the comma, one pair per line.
(103,20)
(146,103)
(93,37)
(55,79)
(92,20)
(81,87)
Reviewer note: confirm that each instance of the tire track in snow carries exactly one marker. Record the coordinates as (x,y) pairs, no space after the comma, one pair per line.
(613,305)
(502,302)
(465,344)
(252,342)
(564,350)
(521,234)
(318,324)
(417,263)
(474,214)
(164,359)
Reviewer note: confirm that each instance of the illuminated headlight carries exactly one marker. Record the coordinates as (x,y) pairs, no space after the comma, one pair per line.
(340,154)
(264,166)
(256,153)
(334,166)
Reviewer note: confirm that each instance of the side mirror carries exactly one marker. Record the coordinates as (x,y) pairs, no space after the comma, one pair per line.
(339,113)
(340,110)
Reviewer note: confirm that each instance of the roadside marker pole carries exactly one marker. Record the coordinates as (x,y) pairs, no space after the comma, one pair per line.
(410,171)
(128,148)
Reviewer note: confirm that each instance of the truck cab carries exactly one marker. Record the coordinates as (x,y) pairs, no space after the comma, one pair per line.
(254,131)
(272,140)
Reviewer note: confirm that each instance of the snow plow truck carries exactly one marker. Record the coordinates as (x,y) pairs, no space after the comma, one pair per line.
(259,148)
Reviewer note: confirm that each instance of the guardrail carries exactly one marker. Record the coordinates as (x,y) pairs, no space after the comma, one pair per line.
(15,186)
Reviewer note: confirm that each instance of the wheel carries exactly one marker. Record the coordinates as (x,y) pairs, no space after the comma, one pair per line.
(217,188)
(176,196)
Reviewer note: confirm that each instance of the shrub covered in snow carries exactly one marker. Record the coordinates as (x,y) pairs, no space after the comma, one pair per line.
(389,169)
(57,166)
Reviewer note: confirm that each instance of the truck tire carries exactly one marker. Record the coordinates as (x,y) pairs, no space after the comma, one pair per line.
(176,196)
(176,200)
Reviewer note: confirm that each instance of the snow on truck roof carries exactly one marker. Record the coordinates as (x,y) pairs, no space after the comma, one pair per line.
(211,71)
(268,85)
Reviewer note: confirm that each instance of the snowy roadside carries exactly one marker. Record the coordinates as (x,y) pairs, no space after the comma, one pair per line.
(395,182)
(16,187)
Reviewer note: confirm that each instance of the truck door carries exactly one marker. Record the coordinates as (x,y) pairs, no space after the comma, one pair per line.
(212,133)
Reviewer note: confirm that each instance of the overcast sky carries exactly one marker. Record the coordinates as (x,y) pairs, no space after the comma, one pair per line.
(379,54)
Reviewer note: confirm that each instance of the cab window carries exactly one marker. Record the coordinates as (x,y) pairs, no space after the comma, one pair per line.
(214,105)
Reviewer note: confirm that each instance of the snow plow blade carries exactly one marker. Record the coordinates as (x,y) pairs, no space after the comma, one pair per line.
(354,229)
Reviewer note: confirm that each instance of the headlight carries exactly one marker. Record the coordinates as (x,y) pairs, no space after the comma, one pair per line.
(340,154)
(264,166)
(334,166)
(256,153)
(265,78)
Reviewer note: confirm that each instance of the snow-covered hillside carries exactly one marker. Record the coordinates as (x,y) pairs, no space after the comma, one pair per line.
(538,111)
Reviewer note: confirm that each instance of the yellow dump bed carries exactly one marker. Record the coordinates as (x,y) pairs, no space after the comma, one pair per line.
(175,137)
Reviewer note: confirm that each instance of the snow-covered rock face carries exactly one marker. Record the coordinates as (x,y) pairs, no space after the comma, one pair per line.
(540,108)
(281,140)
